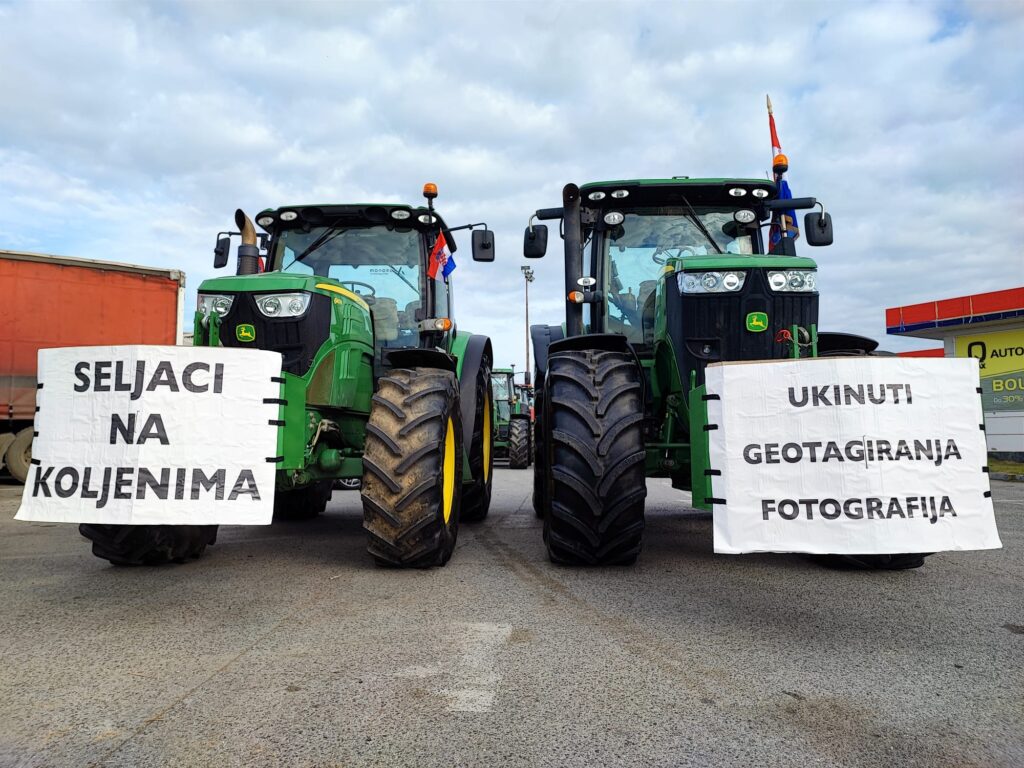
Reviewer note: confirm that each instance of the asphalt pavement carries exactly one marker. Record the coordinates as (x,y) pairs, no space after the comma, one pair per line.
(285,646)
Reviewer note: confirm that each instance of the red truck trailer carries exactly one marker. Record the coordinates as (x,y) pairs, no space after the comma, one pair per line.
(57,301)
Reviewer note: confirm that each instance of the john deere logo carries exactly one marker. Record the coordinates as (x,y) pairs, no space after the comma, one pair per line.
(757,322)
(245,332)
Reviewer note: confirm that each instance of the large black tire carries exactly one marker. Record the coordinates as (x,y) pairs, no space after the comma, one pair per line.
(303,503)
(539,453)
(899,562)
(148,544)
(19,455)
(412,468)
(476,494)
(595,484)
(519,444)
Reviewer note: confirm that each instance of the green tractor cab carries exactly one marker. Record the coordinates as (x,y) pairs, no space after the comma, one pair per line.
(513,438)
(379,386)
(662,278)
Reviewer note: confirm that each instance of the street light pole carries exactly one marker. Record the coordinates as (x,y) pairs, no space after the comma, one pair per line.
(528,278)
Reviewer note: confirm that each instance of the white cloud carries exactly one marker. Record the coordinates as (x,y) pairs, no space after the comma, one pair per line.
(133,131)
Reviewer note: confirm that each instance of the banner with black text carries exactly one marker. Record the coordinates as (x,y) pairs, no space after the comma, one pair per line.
(154,435)
(848,455)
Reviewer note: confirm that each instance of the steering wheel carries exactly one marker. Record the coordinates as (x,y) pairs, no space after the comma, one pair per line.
(354,283)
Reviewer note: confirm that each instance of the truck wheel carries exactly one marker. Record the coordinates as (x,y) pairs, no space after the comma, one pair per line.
(148,544)
(595,486)
(303,503)
(19,455)
(476,496)
(412,468)
(519,444)
(6,438)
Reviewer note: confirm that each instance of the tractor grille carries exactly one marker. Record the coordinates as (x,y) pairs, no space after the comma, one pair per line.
(296,338)
(707,328)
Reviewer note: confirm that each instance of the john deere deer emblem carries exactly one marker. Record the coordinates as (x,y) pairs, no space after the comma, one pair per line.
(245,332)
(757,322)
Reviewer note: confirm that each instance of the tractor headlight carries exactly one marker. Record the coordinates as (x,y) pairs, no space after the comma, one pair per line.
(793,280)
(711,282)
(214,302)
(282,304)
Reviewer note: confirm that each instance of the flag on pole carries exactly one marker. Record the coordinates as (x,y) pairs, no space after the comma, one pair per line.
(784,223)
(440,259)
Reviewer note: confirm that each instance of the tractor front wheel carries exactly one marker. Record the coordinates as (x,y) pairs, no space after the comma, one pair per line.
(595,486)
(303,503)
(412,468)
(148,544)
(519,444)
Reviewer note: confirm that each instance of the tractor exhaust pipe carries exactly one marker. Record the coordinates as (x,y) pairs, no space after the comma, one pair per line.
(573,258)
(248,251)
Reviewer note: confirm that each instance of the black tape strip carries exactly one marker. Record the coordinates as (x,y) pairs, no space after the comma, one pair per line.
(35,434)
(39,385)
(987,494)
(274,401)
(36,462)
(985,470)
(712,500)
(712,473)
(277,379)
(709,427)
(276,423)
(981,427)
(37,409)
(979,391)
(705,398)
(274,459)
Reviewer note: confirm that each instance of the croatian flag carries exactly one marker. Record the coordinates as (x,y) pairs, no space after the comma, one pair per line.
(784,223)
(440,259)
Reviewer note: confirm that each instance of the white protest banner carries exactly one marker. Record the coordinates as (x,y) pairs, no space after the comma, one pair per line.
(849,455)
(154,435)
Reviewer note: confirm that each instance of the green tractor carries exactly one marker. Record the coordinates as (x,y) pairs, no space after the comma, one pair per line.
(662,277)
(378,384)
(512,425)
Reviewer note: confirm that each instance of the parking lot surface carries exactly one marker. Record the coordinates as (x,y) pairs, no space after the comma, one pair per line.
(285,645)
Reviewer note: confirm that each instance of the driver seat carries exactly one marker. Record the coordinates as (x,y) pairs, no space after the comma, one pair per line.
(385,319)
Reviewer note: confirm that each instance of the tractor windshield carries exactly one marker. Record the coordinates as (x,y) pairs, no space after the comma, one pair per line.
(636,252)
(499,386)
(381,265)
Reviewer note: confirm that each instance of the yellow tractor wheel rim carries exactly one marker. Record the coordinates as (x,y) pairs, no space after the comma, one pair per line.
(448,472)
(487,436)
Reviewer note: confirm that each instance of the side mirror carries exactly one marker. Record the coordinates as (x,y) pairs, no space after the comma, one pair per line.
(535,241)
(220,252)
(818,228)
(483,245)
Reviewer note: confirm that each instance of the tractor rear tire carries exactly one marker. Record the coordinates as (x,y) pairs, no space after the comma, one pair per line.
(303,503)
(412,468)
(476,495)
(519,444)
(19,455)
(539,455)
(595,486)
(148,544)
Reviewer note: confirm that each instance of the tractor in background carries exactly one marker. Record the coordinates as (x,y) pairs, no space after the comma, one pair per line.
(512,421)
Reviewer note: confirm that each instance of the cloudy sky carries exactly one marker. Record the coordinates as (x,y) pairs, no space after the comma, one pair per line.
(131,131)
